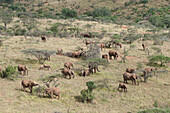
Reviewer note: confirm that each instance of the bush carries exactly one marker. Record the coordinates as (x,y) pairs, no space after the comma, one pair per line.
(9,71)
(68,13)
(143,1)
(19,32)
(87,95)
(102,12)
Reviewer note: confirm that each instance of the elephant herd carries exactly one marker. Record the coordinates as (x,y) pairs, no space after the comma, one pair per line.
(92,68)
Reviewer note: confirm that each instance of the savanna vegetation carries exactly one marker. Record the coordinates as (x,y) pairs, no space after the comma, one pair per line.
(77,56)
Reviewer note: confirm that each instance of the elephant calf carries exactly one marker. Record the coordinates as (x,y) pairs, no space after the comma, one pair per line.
(53,91)
(105,56)
(59,51)
(43,38)
(130,76)
(122,86)
(67,72)
(85,73)
(144,46)
(68,65)
(23,68)
(45,66)
(28,84)
(102,46)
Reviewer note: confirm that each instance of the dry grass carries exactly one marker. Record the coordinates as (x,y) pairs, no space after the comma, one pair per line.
(12,99)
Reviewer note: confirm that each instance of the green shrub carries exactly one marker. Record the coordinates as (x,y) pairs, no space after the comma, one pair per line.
(101,12)
(9,71)
(68,13)
(87,95)
(19,32)
(143,1)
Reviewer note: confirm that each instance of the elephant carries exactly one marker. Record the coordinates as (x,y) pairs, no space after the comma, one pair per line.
(105,56)
(68,65)
(149,70)
(102,46)
(43,38)
(76,54)
(122,86)
(1,72)
(130,70)
(53,91)
(86,35)
(59,51)
(113,53)
(144,46)
(93,66)
(118,44)
(67,72)
(45,66)
(85,73)
(89,42)
(28,84)
(130,76)
(23,68)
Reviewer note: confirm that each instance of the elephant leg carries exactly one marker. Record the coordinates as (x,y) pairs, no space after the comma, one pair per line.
(110,56)
(30,89)
(58,97)
(51,95)
(94,70)
(24,89)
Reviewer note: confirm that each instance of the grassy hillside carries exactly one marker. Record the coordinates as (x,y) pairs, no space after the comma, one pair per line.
(144,96)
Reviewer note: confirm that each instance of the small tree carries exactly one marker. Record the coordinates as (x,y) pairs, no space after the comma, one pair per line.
(125,54)
(159,58)
(8,71)
(42,55)
(87,95)
(6,17)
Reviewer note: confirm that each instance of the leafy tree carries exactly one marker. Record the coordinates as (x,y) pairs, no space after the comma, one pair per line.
(29,22)
(6,17)
(42,55)
(87,95)
(68,13)
(159,58)
(156,20)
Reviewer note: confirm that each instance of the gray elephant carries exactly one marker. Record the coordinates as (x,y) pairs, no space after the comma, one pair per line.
(130,76)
